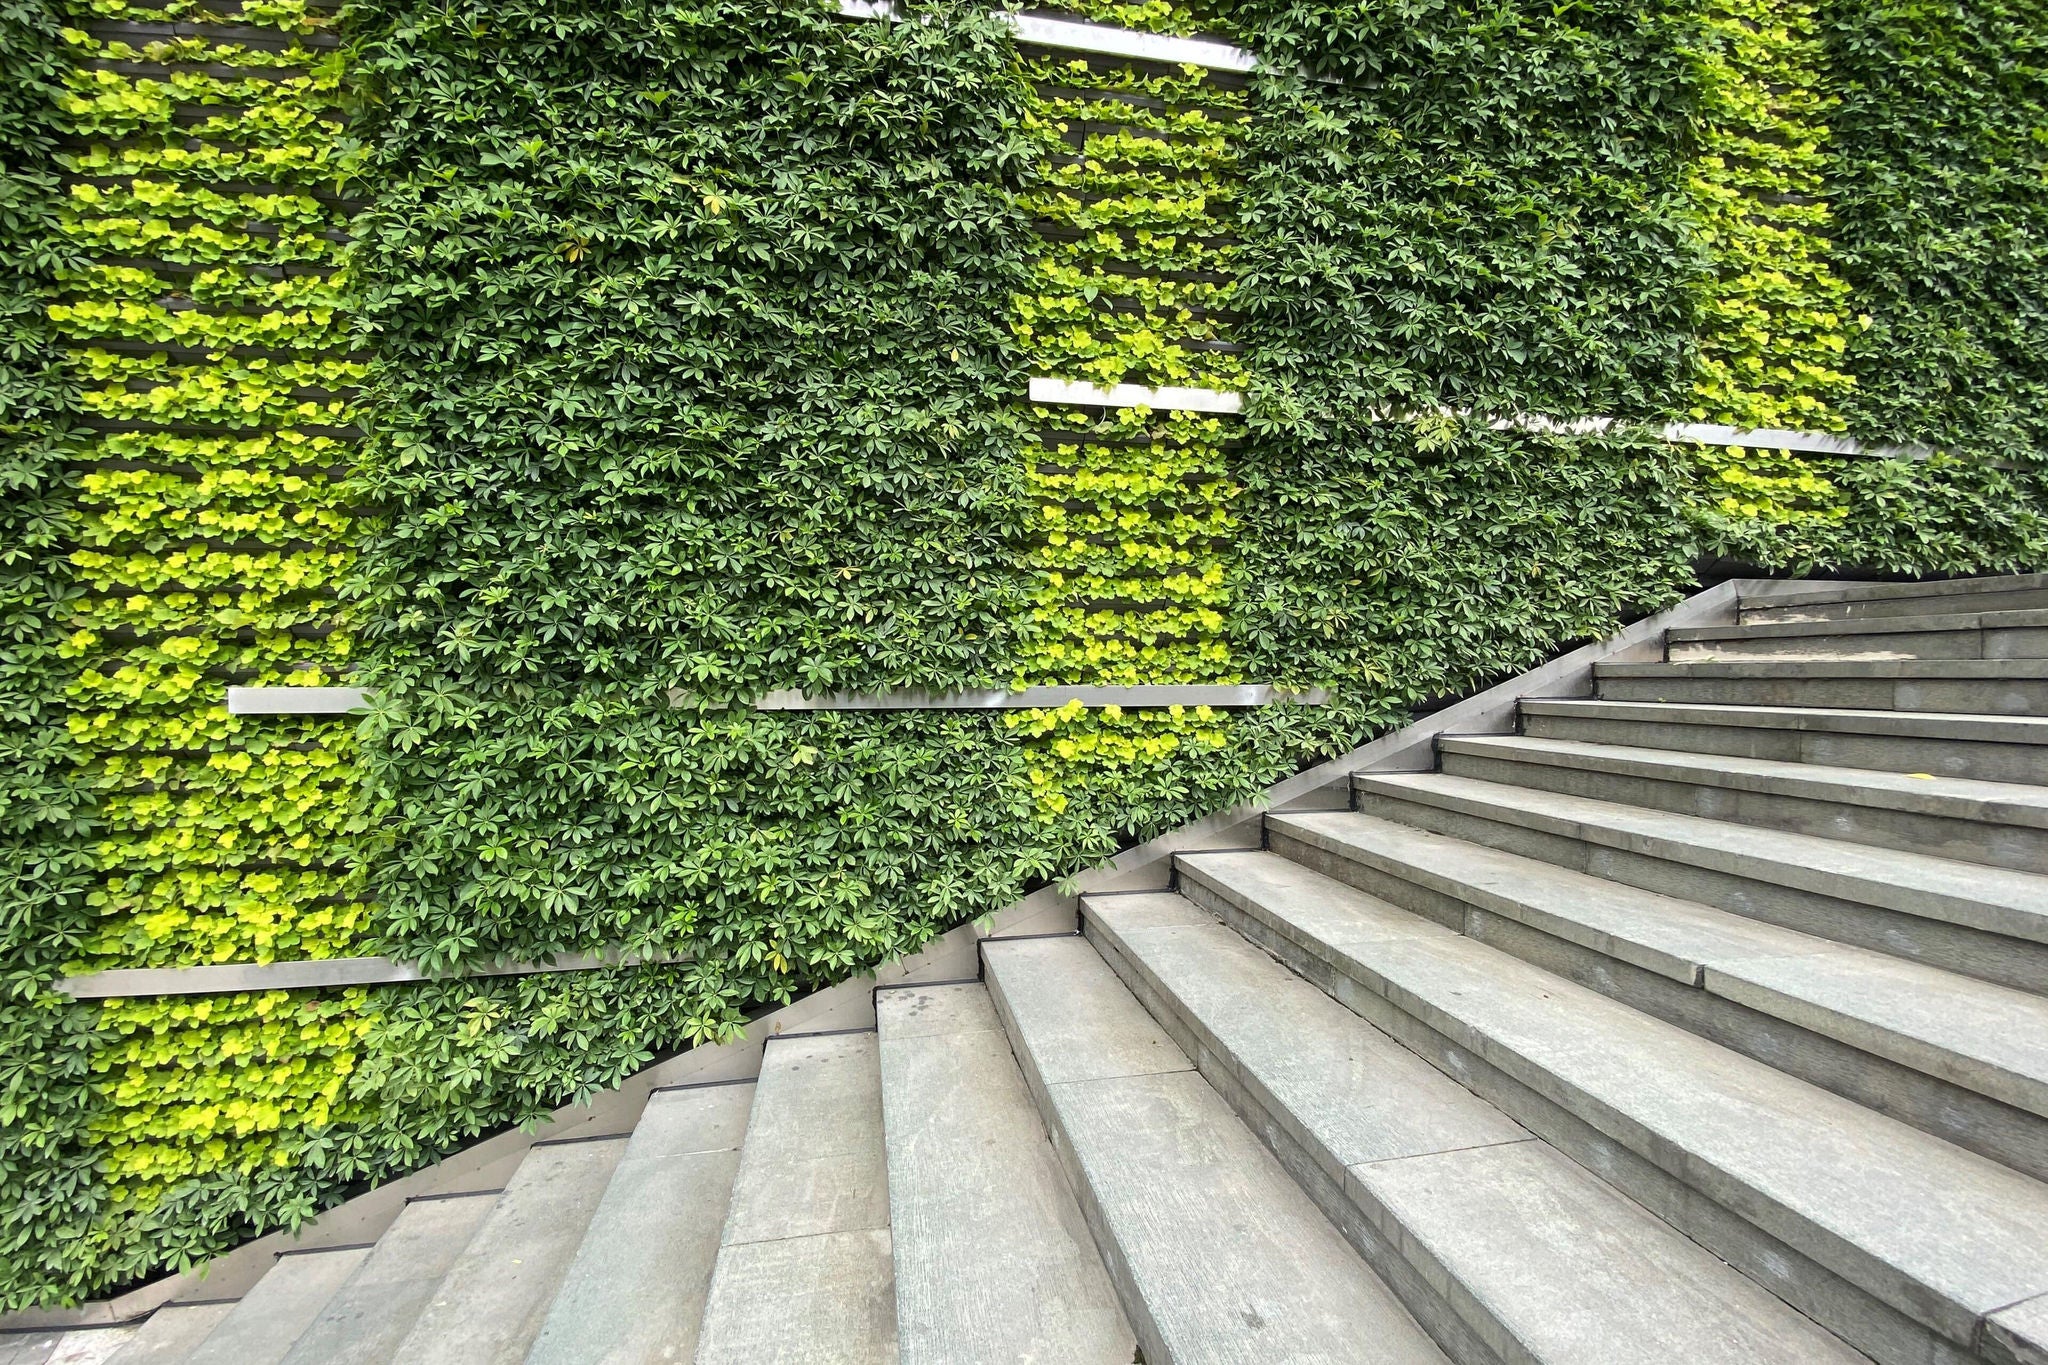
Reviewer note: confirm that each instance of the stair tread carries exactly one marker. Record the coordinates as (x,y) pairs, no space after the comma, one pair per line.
(1961,669)
(1939,1232)
(494,1298)
(1841,720)
(1220,1255)
(2023,618)
(637,1285)
(1542,1259)
(804,1268)
(1867,592)
(369,1316)
(976,1197)
(1996,899)
(171,1334)
(1957,798)
(278,1307)
(1989,1038)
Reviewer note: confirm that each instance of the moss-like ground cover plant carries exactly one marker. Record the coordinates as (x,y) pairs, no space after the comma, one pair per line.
(572,373)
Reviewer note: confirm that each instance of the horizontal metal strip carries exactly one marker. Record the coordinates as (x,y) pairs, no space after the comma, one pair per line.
(1070,35)
(1074,392)
(324,701)
(329,973)
(1169,397)
(1136,697)
(295,701)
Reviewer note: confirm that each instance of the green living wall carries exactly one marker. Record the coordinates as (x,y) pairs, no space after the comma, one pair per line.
(572,374)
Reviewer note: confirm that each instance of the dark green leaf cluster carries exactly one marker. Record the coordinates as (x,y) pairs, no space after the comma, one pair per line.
(45,813)
(1480,208)
(1939,180)
(692,383)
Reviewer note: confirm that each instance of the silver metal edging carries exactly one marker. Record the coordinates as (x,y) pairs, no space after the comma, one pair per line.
(1145,696)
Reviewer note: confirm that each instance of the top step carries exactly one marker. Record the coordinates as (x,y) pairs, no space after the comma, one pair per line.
(1861,601)
(1951,634)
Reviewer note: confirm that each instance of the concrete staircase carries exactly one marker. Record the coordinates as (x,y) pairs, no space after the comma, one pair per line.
(1699,1021)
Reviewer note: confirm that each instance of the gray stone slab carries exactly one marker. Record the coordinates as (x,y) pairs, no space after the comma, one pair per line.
(1082,1023)
(492,1301)
(2018,1335)
(813,1158)
(270,1317)
(1569,1270)
(1663,934)
(172,1333)
(1230,1260)
(825,1299)
(1352,1092)
(1949,798)
(1941,1234)
(367,1319)
(91,1346)
(29,1348)
(1997,900)
(1217,1254)
(1982,1037)
(1988,697)
(804,1272)
(1814,669)
(2028,730)
(635,1292)
(1542,1260)
(993,1259)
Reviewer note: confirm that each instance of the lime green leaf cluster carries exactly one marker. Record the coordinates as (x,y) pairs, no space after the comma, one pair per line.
(1774,316)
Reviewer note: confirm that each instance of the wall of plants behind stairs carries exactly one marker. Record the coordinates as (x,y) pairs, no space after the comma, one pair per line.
(571,374)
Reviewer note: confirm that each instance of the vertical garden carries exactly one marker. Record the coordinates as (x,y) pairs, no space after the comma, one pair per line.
(571,375)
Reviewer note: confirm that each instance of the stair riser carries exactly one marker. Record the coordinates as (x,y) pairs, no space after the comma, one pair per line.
(1866,1322)
(2022,599)
(1973,952)
(1930,1102)
(1986,762)
(2023,642)
(1956,696)
(1364,1223)
(2022,847)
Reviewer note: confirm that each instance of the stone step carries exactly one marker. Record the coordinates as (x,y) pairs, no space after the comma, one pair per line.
(1958,635)
(1904,1245)
(636,1288)
(368,1318)
(1984,748)
(1960,1058)
(2003,824)
(58,1346)
(262,1327)
(1987,922)
(804,1270)
(1216,1254)
(171,1334)
(1988,687)
(1500,1245)
(1861,601)
(491,1303)
(994,1262)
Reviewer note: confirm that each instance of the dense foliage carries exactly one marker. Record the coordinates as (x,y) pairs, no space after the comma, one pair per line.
(1938,173)
(46,1156)
(691,338)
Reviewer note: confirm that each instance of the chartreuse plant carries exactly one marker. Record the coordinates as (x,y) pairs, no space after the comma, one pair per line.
(194,294)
